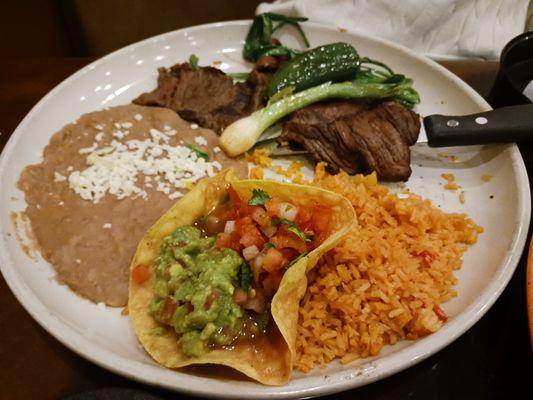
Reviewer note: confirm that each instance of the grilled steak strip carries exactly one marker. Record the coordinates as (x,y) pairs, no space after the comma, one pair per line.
(357,137)
(207,96)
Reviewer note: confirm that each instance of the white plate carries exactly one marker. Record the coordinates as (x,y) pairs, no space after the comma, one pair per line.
(106,338)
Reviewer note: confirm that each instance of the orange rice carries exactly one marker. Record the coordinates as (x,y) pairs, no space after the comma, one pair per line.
(385,282)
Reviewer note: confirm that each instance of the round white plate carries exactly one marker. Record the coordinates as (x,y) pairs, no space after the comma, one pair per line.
(106,338)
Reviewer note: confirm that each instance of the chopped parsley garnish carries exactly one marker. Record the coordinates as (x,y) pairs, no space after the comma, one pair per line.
(259,198)
(269,246)
(199,153)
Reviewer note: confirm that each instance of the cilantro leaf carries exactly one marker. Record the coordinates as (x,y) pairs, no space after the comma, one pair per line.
(269,246)
(199,153)
(193,61)
(292,227)
(279,221)
(299,233)
(245,277)
(259,197)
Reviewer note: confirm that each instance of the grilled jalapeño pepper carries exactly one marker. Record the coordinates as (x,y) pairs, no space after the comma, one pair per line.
(334,62)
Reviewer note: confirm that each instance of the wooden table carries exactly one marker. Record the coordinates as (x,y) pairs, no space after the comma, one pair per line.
(492,360)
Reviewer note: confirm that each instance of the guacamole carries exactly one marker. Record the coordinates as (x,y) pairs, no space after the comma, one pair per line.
(193,291)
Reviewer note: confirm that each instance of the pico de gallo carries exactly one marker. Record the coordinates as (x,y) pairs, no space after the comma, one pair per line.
(270,233)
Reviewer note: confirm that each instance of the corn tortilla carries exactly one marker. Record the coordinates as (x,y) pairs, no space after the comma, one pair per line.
(269,369)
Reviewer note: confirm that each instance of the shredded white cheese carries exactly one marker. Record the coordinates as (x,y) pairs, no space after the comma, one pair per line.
(200,140)
(87,150)
(138,117)
(107,226)
(59,178)
(216,149)
(99,136)
(175,195)
(115,169)
(194,126)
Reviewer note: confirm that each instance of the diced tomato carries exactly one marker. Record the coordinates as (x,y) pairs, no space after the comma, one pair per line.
(321,218)
(168,309)
(211,298)
(240,207)
(240,296)
(304,216)
(321,221)
(260,216)
(251,236)
(223,240)
(272,206)
(140,273)
(271,282)
(228,240)
(274,260)
(284,238)
(289,254)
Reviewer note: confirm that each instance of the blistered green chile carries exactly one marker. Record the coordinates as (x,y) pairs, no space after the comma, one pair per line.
(335,62)
(189,270)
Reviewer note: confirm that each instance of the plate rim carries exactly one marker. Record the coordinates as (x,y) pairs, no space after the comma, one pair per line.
(342,380)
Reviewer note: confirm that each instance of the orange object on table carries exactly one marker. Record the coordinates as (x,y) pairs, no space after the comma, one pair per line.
(529,290)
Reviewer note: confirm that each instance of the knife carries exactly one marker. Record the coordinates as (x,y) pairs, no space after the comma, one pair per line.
(502,125)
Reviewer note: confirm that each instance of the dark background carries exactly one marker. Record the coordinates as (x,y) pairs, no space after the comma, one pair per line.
(42,42)
(42,28)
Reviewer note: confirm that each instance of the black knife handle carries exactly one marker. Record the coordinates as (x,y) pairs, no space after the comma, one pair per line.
(502,125)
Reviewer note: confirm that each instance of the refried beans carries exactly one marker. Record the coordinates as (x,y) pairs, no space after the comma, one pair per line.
(90,244)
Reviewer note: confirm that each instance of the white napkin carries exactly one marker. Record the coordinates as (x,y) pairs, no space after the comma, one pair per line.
(437,28)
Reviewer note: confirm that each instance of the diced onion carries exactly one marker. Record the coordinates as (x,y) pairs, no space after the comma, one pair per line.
(250,252)
(257,266)
(288,211)
(229,227)
(258,261)
(257,303)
